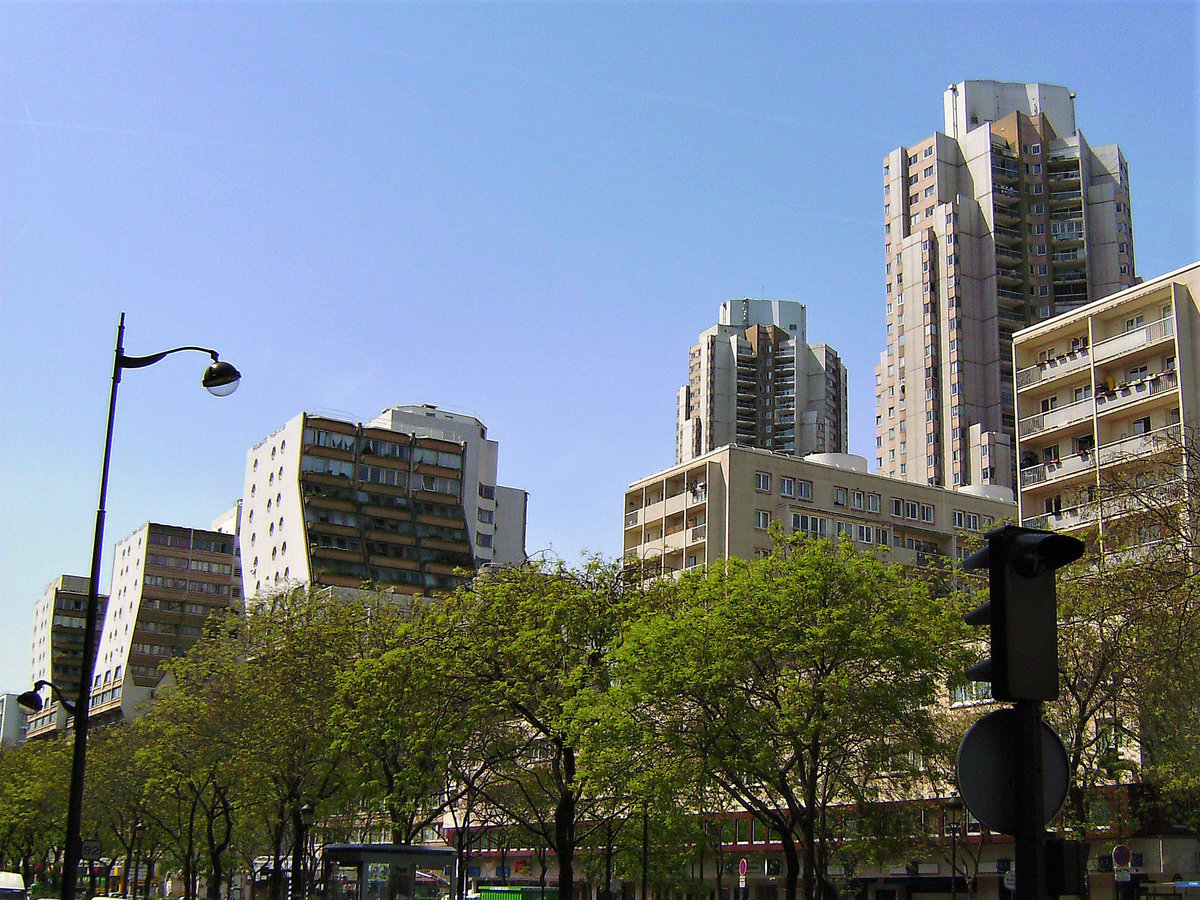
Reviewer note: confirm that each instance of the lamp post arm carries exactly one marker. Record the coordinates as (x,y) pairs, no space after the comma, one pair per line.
(138,362)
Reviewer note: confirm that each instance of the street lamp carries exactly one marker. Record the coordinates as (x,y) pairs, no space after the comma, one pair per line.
(32,700)
(954,808)
(302,822)
(220,379)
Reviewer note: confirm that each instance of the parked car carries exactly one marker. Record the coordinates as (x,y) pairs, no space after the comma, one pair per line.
(12,886)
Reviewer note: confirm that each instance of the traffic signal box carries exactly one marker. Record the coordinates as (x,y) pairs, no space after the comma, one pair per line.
(1022,610)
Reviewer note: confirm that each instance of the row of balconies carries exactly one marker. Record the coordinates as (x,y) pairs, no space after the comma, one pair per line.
(1118,451)
(1117,345)
(1114,397)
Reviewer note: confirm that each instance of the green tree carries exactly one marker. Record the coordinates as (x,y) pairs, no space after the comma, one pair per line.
(527,645)
(799,681)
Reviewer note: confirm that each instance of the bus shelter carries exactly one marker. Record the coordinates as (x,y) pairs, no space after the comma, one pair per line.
(380,871)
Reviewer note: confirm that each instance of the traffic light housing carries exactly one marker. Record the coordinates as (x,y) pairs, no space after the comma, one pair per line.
(1022,610)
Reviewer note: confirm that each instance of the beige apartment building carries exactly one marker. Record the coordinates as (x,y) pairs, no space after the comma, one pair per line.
(723,504)
(57,652)
(1007,218)
(406,502)
(1099,390)
(167,580)
(754,380)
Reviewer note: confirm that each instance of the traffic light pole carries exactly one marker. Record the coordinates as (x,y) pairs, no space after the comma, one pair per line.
(1030,855)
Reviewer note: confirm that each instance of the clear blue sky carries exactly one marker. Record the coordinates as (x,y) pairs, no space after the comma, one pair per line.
(527,212)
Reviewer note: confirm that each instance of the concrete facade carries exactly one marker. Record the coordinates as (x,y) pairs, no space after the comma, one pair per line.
(1098,390)
(58,623)
(754,380)
(724,503)
(167,581)
(1007,218)
(401,503)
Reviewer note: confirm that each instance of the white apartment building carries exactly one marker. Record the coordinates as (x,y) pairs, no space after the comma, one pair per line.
(1102,390)
(404,502)
(1007,218)
(753,380)
(724,503)
(167,580)
(57,652)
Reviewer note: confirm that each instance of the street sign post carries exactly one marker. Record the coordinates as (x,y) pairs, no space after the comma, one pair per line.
(989,777)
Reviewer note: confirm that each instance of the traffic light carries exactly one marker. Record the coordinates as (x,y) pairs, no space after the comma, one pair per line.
(1022,610)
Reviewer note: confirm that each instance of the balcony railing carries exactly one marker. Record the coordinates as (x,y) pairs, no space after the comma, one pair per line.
(1078,411)
(1125,394)
(1139,445)
(1058,468)
(1137,337)
(1058,365)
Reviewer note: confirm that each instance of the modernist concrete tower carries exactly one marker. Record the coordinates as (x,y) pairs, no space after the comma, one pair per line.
(167,580)
(1007,218)
(754,381)
(403,502)
(58,646)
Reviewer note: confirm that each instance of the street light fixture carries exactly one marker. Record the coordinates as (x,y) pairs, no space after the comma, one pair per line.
(303,821)
(220,379)
(953,825)
(32,700)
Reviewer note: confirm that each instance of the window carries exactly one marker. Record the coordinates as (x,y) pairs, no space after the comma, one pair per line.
(762,519)
(873,503)
(856,499)
(804,490)
(787,486)
(897,507)
(762,481)
(1133,323)
(927,512)
(928,151)
(928,173)
(1136,372)
(865,534)
(487,516)
(839,496)
(1140,426)
(911,509)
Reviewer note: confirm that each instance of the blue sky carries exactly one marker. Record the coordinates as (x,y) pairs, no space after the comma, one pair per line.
(523,211)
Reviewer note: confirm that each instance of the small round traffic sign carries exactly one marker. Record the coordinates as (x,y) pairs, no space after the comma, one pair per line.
(742,866)
(1121,855)
(987,771)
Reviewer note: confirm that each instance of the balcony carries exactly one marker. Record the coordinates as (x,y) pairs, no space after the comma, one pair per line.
(1139,445)
(631,519)
(1065,196)
(1132,340)
(1008,236)
(1059,468)
(1124,395)
(1079,411)
(1064,519)
(697,534)
(1052,368)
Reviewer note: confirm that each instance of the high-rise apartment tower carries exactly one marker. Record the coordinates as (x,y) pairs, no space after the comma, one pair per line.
(406,502)
(58,621)
(754,381)
(1007,218)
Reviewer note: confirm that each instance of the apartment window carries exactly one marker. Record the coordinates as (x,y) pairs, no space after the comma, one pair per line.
(873,503)
(762,519)
(487,516)
(912,509)
(1136,322)
(1036,149)
(804,490)
(856,499)
(928,151)
(897,507)
(927,512)
(762,481)
(865,534)
(839,496)
(912,160)
(787,486)
(1136,372)
(1140,426)
(929,191)
(928,173)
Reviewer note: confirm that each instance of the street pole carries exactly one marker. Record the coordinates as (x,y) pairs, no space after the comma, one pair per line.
(220,379)
(1030,848)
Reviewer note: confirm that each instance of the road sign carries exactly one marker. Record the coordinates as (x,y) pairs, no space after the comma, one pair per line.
(1122,855)
(742,866)
(987,771)
(1010,879)
(90,849)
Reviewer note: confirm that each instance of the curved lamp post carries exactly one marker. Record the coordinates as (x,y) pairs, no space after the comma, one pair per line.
(220,379)
(32,700)
(954,809)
